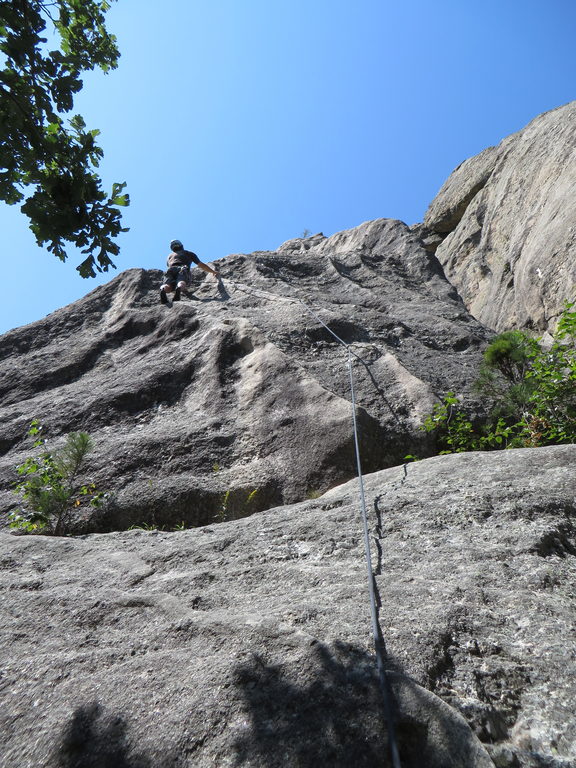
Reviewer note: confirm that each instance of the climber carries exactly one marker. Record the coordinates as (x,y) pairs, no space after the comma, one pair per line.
(177,275)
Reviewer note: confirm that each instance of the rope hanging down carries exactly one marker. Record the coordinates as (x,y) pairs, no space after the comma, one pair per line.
(379,644)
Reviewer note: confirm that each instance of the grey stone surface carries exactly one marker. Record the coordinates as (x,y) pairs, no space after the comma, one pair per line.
(460,188)
(239,378)
(248,643)
(508,217)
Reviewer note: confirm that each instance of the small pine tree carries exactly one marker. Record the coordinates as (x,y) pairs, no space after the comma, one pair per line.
(50,487)
(504,381)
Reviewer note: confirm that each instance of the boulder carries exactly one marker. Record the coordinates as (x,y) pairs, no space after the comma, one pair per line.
(507,218)
(248,643)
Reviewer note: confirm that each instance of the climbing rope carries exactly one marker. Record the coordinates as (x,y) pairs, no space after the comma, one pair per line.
(379,644)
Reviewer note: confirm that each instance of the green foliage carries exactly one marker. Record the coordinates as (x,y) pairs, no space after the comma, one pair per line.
(510,354)
(234,505)
(456,433)
(504,381)
(223,511)
(54,159)
(552,416)
(145,527)
(181,526)
(529,391)
(50,488)
(566,328)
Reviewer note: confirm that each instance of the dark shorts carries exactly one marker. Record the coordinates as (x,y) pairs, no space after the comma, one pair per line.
(175,274)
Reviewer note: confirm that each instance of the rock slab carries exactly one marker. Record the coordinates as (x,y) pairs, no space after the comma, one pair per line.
(248,643)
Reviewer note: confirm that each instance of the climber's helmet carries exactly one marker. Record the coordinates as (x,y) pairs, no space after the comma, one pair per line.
(176,245)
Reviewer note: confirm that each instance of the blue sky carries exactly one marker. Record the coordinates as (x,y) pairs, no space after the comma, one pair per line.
(238,125)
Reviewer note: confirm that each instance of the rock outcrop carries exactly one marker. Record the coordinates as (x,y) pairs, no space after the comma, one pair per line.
(241,389)
(248,643)
(508,217)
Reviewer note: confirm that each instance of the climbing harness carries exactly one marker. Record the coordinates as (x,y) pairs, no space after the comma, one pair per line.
(379,644)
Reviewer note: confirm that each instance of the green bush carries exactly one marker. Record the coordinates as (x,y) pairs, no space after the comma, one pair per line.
(528,391)
(455,433)
(50,488)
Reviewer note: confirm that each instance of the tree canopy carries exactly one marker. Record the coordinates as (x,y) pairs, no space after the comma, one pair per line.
(48,161)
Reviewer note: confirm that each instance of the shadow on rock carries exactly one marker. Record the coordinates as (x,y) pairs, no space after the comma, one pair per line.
(332,716)
(327,710)
(95,739)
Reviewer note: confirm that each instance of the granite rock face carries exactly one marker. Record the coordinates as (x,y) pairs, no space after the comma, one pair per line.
(248,643)
(508,217)
(240,387)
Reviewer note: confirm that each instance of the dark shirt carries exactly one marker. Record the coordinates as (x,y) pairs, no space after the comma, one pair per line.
(182,259)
